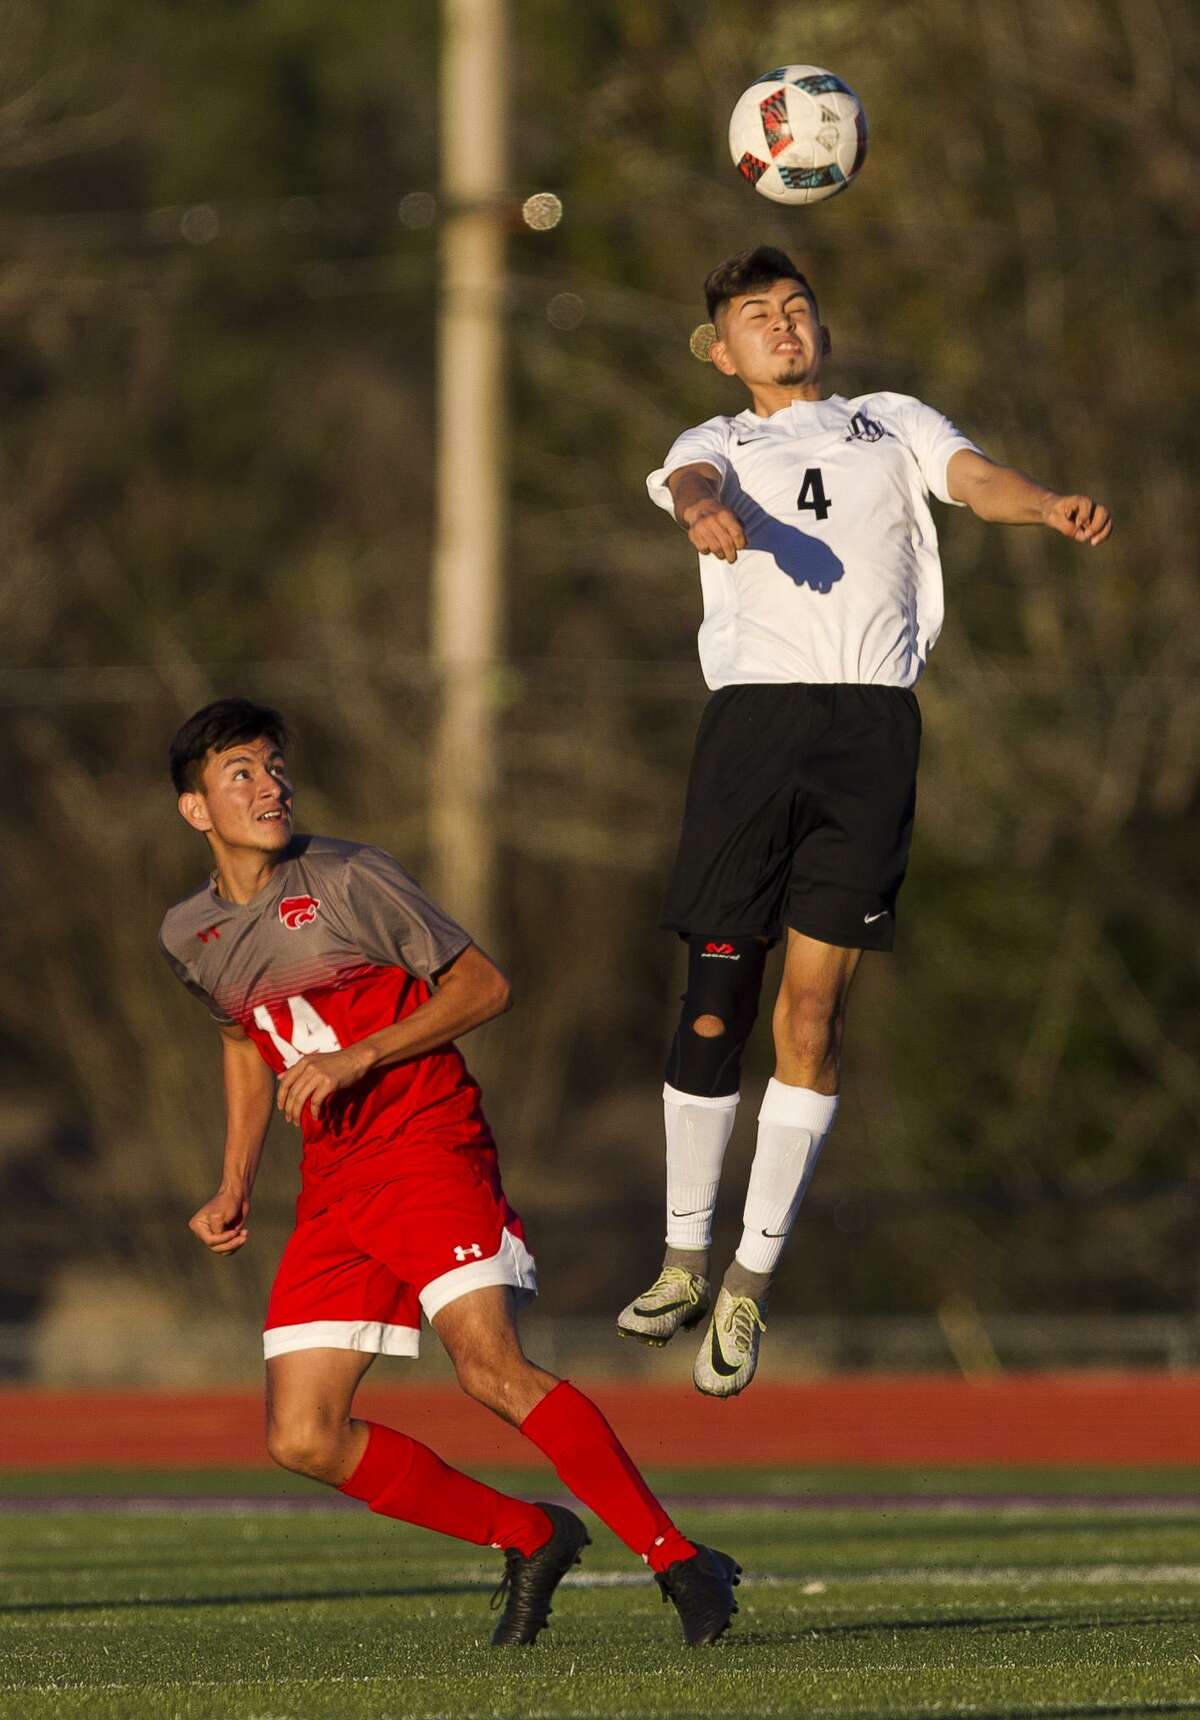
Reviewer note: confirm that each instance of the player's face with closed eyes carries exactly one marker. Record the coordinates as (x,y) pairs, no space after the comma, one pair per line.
(246,800)
(771,335)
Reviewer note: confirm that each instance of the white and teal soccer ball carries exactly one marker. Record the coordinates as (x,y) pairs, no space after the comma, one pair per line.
(798,134)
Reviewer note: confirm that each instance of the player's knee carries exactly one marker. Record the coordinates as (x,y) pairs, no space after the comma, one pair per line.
(708,1026)
(306,1447)
(494,1379)
(808,1022)
(478,1377)
(719,1008)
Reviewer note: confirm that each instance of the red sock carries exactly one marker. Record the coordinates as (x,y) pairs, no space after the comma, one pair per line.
(592,1462)
(400,1477)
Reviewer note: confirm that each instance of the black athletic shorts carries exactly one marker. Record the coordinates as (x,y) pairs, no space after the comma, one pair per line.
(799,813)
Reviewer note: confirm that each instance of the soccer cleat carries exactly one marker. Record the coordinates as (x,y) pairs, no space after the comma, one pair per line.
(530,1579)
(677,1298)
(728,1356)
(701,1589)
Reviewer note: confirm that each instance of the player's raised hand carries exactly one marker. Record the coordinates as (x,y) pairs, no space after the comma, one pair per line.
(713,529)
(221,1222)
(1079,518)
(314,1078)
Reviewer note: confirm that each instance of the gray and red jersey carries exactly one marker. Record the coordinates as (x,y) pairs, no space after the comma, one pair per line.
(340,943)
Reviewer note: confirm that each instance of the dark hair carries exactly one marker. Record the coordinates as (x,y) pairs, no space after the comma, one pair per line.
(218,726)
(760,267)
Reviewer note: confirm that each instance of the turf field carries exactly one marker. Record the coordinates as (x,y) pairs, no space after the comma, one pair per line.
(210,1594)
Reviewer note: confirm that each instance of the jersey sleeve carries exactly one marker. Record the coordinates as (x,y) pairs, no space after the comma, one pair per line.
(393,921)
(706,445)
(193,985)
(933,439)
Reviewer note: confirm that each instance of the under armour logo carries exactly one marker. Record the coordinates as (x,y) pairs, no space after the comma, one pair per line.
(864,429)
(472,1248)
(209,932)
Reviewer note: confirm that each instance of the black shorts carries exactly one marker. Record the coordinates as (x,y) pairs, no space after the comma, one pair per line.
(799,813)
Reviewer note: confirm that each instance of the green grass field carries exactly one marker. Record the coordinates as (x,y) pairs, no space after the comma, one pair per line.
(871,1595)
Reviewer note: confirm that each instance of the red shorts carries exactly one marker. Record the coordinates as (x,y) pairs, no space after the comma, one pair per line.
(358,1275)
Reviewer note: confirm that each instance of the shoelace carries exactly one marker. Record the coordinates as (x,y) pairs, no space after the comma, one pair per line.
(512,1559)
(676,1278)
(741,1321)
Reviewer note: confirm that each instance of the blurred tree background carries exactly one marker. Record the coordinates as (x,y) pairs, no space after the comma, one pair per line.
(217,348)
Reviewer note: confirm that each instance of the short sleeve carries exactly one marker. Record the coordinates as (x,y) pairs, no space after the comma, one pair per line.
(393,921)
(933,439)
(193,985)
(705,445)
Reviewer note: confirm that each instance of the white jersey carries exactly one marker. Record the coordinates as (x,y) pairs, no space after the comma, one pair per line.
(840,579)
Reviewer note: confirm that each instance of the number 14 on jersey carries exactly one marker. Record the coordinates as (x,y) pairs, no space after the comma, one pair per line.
(309,1032)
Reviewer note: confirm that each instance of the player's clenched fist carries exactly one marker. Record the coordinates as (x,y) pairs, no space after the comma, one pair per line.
(221,1222)
(713,529)
(316,1077)
(1078,517)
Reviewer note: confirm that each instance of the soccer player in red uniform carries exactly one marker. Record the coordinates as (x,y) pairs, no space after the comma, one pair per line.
(339,988)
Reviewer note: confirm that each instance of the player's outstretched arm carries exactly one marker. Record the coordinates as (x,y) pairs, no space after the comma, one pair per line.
(711,528)
(1008,497)
(249,1091)
(470,991)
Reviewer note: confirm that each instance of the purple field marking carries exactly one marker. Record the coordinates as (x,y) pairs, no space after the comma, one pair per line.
(208,1504)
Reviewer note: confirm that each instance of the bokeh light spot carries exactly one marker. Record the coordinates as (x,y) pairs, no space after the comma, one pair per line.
(565,311)
(701,342)
(417,209)
(542,211)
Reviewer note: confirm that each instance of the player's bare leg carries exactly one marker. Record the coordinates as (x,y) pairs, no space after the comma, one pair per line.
(480,1335)
(797,1113)
(310,1430)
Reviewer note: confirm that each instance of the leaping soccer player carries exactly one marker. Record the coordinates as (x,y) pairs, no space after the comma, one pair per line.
(822,601)
(339,989)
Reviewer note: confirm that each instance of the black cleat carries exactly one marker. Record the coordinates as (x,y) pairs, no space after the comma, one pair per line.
(528,1582)
(702,1591)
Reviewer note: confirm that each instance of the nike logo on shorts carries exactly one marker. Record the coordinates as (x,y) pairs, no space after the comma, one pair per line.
(870,919)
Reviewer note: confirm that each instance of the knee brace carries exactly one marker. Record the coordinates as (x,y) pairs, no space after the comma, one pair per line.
(725,978)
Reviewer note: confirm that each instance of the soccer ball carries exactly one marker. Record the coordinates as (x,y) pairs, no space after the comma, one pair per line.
(798,134)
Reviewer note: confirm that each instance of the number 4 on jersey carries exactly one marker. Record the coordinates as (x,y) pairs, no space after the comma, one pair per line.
(309,1032)
(812,494)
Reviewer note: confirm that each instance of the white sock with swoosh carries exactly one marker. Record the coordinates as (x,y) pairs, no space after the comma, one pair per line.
(793,1124)
(698,1131)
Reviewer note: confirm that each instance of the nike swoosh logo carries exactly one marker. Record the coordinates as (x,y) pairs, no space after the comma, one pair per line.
(775,1234)
(690,1213)
(720,1365)
(667,1308)
(744,441)
(870,919)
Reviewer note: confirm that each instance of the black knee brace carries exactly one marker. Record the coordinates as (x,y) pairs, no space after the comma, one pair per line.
(725,978)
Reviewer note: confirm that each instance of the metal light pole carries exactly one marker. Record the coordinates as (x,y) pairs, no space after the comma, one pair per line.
(468,555)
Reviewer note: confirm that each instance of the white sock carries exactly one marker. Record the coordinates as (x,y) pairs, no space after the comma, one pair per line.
(792,1126)
(698,1132)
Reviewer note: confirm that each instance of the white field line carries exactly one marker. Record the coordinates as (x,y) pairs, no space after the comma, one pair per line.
(936,1576)
(811,1584)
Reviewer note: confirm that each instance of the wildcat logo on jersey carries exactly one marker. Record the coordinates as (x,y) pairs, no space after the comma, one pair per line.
(864,429)
(297,911)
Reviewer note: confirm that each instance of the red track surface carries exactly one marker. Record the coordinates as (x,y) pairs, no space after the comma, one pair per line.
(1035,1419)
